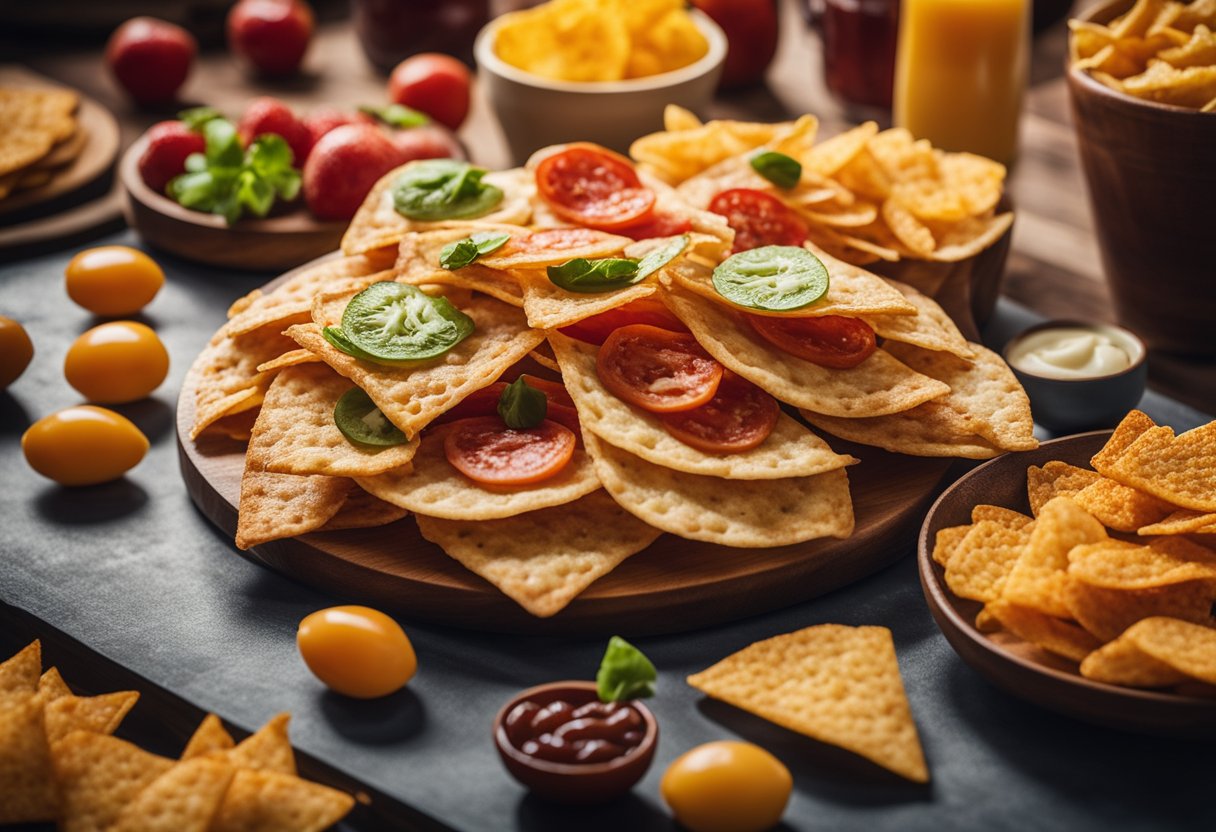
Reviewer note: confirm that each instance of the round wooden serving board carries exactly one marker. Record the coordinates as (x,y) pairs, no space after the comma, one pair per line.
(673,585)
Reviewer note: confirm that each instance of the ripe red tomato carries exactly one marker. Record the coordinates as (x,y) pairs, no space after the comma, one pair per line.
(435,84)
(150,58)
(487,451)
(597,328)
(169,143)
(272,35)
(343,167)
(657,370)
(658,225)
(270,115)
(751,38)
(738,418)
(829,341)
(593,186)
(758,219)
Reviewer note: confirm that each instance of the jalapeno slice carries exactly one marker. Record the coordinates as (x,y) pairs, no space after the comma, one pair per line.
(360,421)
(393,322)
(776,278)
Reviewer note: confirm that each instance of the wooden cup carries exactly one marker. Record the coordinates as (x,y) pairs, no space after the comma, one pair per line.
(1152,189)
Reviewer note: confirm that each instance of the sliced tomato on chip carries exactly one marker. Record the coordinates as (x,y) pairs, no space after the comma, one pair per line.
(660,224)
(597,328)
(549,240)
(657,370)
(484,402)
(592,186)
(738,418)
(758,219)
(829,341)
(487,451)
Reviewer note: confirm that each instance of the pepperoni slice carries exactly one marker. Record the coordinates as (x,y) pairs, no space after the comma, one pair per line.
(597,328)
(657,370)
(660,224)
(592,186)
(738,418)
(758,219)
(829,341)
(487,451)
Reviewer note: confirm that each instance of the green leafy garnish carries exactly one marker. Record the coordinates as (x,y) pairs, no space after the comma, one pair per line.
(783,171)
(661,256)
(624,673)
(196,117)
(397,115)
(776,278)
(587,276)
(461,253)
(390,323)
(360,421)
(443,189)
(230,180)
(521,406)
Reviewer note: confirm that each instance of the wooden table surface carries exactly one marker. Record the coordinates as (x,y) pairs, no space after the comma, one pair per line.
(1054,268)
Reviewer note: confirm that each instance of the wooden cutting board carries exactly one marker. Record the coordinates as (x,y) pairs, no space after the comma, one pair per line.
(673,585)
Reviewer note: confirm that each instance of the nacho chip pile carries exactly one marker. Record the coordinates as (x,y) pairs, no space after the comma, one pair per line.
(1115,571)
(1160,50)
(39,136)
(59,762)
(271,377)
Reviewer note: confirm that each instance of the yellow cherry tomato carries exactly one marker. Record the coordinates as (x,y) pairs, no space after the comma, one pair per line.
(116,362)
(83,445)
(357,651)
(113,281)
(727,786)
(16,350)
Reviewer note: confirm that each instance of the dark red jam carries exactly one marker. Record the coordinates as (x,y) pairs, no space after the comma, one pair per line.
(561,733)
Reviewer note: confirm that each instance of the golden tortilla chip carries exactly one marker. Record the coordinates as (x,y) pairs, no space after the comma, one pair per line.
(836,684)
(296,432)
(929,429)
(980,564)
(543,559)
(1127,432)
(537,249)
(1178,469)
(1004,516)
(183,799)
(970,237)
(1186,647)
(209,736)
(828,157)
(501,286)
(790,450)
(19,673)
(268,801)
(1116,564)
(362,510)
(435,489)
(100,714)
(931,328)
(679,155)
(549,306)
(225,376)
(1121,662)
(1108,612)
(1056,479)
(410,397)
(946,541)
(1119,507)
(1182,521)
(759,513)
(27,792)
(877,386)
(52,686)
(1037,579)
(1062,638)
(275,506)
(267,749)
(97,776)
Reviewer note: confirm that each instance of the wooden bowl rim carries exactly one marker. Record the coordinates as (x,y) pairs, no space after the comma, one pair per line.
(941,599)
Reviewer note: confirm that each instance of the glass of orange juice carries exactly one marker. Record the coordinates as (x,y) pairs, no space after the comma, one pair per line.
(960,72)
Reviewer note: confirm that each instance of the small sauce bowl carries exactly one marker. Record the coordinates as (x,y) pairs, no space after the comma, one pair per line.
(1067,405)
(574,782)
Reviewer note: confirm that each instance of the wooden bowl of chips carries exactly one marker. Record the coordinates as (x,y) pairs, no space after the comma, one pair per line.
(277,242)
(1016,666)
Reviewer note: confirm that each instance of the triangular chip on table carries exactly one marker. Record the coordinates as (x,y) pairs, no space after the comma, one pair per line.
(929,429)
(209,736)
(790,450)
(52,686)
(757,513)
(20,672)
(267,749)
(296,432)
(268,801)
(543,559)
(877,386)
(225,375)
(412,396)
(97,776)
(101,714)
(1037,579)
(1178,469)
(434,488)
(183,799)
(836,684)
(377,225)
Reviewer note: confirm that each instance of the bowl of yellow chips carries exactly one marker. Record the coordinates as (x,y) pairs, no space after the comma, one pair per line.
(596,70)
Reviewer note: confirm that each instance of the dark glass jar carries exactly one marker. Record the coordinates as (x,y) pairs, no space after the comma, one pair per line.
(858,39)
(392,30)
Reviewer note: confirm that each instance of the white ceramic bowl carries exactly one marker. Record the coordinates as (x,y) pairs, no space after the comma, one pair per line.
(535,112)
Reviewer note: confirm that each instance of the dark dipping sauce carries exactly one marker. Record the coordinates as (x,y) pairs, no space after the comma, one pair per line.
(559,732)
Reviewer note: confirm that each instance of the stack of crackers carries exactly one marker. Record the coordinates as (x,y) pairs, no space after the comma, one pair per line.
(39,136)
(1116,570)
(59,762)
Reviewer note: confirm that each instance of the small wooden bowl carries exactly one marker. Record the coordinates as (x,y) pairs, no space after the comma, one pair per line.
(1021,669)
(574,782)
(274,243)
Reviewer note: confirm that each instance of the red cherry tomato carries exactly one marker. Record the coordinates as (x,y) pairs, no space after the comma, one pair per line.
(657,370)
(660,224)
(758,219)
(738,418)
(592,186)
(487,451)
(830,341)
(434,83)
(597,328)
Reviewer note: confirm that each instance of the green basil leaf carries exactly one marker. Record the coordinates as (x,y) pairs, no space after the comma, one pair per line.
(253,193)
(287,184)
(394,322)
(196,162)
(194,190)
(223,144)
(360,421)
(783,171)
(397,115)
(443,189)
(587,276)
(268,155)
(196,117)
(461,253)
(521,406)
(625,673)
(776,278)
(661,256)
